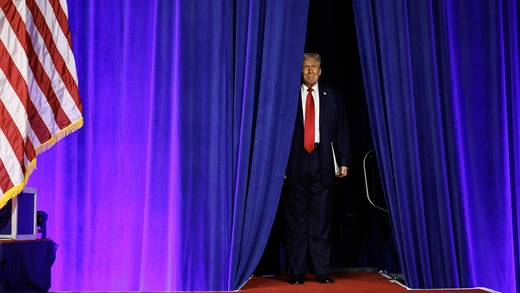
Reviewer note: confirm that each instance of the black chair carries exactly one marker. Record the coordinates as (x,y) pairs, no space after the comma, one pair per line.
(377,205)
(373,187)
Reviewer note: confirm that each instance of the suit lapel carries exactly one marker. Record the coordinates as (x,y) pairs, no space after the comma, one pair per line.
(323,104)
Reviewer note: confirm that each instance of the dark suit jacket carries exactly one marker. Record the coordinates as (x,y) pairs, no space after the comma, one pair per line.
(333,127)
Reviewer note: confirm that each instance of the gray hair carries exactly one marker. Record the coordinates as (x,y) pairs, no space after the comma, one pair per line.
(314,56)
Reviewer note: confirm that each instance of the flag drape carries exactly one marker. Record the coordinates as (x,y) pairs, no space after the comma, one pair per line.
(39,98)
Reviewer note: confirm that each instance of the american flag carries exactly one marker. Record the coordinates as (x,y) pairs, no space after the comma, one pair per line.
(39,97)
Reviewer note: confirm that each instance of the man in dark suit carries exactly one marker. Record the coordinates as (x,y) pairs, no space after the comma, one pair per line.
(310,175)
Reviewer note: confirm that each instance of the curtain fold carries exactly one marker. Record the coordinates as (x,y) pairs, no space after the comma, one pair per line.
(441,79)
(272,45)
(174,180)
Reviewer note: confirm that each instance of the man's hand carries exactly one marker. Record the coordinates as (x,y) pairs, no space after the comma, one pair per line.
(343,172)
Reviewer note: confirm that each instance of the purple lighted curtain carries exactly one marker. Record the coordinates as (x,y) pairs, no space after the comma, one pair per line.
(443,91)
(174,180)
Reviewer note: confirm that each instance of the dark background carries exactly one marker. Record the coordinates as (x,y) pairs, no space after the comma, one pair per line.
(361,234)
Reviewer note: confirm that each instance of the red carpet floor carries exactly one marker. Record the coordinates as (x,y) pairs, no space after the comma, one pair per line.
(343,282)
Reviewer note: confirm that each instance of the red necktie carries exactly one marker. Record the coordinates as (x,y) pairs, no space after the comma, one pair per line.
(308,137)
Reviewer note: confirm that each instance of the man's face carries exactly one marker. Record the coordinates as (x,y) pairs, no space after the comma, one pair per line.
(311,71)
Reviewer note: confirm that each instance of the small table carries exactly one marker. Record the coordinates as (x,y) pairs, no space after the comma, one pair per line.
(25,266)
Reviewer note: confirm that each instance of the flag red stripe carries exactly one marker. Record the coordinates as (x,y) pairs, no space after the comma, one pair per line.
(5,180)
(13,135)
(57,58)
(62,19)
(19,85)
(30,152)
(41,77)
(62,120)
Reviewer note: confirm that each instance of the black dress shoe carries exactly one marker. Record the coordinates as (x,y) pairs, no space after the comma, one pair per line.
(296,279)
(324,279)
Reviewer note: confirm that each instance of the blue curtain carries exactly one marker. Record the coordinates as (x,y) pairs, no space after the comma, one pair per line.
(442,85)
(173,182)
